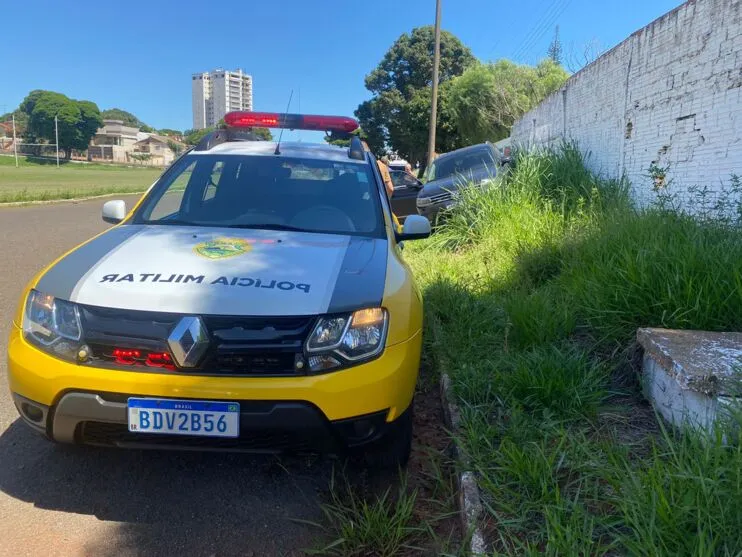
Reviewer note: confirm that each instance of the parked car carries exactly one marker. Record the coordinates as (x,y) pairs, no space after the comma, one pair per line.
(469,166)
(398,164)
(406,188)
(253,300)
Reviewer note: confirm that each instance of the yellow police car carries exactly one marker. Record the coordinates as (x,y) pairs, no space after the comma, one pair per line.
(255,299)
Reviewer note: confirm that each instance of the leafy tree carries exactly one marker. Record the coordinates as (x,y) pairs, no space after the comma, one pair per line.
(401,87)
(487,99)
(555,48)
(77,120)
(21,122)
(195,136)
(141,157)
(146,129)
(340,139)
(263,133)
(127,117)
(175,147)
(169,132)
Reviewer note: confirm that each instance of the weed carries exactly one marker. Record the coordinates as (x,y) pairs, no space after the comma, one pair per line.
(357,527)
(534,289)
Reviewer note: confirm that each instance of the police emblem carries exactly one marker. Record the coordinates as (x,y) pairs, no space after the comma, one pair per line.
(221,248)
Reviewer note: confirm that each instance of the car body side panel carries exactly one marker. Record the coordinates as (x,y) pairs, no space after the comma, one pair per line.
(402,298)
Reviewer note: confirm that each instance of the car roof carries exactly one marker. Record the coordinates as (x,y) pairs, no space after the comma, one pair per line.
(465,150)
(290,149)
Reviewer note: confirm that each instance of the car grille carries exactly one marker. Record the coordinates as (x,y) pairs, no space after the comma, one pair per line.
(250,346)
(441,197)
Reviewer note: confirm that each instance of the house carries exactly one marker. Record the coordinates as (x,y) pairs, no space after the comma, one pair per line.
(113,141)
(156,150)
(116,142)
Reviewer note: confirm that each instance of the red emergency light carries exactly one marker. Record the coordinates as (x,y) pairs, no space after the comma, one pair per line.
(129,357)
(290,121)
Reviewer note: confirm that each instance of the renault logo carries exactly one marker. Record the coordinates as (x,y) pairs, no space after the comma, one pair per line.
(188,341)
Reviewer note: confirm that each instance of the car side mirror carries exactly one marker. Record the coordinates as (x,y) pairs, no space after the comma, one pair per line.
(415,227)
(114,211)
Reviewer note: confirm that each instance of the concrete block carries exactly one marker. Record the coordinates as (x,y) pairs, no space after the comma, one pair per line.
(692,378)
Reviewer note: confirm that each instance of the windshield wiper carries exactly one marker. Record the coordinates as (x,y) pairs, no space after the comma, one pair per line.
(174,222)
(269,226)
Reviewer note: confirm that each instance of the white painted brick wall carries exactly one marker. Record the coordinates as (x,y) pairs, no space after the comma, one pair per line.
(677,84)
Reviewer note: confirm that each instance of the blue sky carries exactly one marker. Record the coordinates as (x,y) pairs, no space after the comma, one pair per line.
(139,56)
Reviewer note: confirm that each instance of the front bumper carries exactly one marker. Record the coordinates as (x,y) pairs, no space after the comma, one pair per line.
(68,396)
(432,212)
(100,419)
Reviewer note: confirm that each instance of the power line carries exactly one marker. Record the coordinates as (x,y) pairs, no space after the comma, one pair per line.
(544,28)
(530,34)
(499,39)
(539,30)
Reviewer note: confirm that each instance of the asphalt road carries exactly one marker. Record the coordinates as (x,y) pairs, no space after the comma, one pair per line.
(57,500)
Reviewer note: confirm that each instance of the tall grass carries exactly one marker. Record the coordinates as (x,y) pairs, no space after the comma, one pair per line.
(534,289)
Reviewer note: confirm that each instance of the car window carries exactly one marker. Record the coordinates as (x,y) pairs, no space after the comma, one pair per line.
(403,179)
(216,174)
(251,191)
(171,200)
(454,164)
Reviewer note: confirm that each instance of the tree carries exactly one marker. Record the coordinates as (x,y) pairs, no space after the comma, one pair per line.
(195,136)
(127,117)
(487,99)
(77,121)
(21,121)
(146,129)
(555,48)
(175,147)
(263,133)
(578,58)
(401,85)
(340,139)
(169,132)
(141,157)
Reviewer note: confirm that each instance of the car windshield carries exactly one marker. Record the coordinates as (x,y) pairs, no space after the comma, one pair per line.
(454,164)
(271,192)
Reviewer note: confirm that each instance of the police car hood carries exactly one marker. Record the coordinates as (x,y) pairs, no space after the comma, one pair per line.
(221,271)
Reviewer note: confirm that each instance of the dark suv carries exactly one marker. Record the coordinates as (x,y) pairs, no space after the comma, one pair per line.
(449,172)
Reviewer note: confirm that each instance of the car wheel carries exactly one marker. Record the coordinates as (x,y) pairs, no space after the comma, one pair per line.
(392,450)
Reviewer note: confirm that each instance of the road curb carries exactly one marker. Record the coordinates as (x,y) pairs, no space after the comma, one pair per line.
(469,501)
(73,200)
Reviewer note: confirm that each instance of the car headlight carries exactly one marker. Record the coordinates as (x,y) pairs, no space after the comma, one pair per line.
(53,325)
(424,201)
(339,341)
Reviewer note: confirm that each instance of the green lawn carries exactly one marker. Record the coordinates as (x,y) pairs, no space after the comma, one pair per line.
(33,181)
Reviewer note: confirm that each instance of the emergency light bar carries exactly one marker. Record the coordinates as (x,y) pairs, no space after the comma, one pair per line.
(290,121)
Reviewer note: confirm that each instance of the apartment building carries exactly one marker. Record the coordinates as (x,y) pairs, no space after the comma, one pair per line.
(217,92)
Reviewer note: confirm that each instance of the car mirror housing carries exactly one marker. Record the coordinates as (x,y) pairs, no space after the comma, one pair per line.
(416,227)
(114,211)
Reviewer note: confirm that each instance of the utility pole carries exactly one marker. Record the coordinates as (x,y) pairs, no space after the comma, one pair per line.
(56,138)
(15,144)
(434,100)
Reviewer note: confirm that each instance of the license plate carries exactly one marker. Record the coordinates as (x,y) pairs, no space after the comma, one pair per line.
(184,417)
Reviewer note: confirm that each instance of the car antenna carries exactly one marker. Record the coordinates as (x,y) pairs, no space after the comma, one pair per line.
(280,135)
